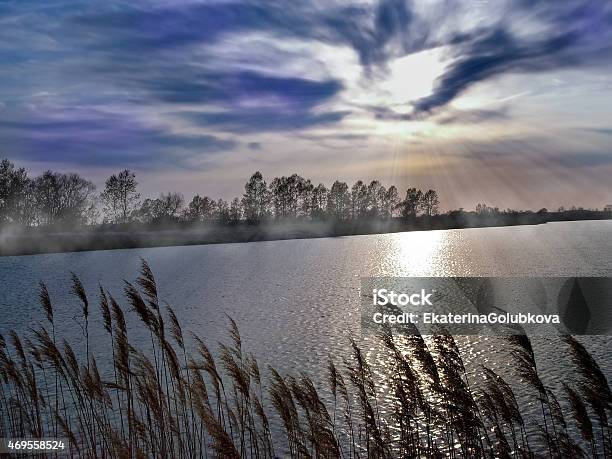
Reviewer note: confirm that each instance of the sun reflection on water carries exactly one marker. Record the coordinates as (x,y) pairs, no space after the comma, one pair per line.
(417,253)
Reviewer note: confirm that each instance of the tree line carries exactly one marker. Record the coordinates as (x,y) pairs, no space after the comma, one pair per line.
(58,198)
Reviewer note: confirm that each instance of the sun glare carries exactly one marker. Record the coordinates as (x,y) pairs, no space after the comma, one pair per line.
(402,82)
(413,77)
(414,254)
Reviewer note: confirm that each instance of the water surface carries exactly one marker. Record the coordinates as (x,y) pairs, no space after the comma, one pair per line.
(296,301)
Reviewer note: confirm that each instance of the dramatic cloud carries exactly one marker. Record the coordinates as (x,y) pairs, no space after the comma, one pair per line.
(366,28)
(578,33)
(230,85)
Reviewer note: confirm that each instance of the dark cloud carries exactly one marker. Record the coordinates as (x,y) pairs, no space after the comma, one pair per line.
(387,114)
(604,131)
(575,35)
(449,116)
(241,87)
(392,20)
(247,101)
(138,56)
(367,29)
(473,116)
(134,28)
(586,159)
(496,53)
(336,141)
(92,138)
(254,145)
(147,53)
(533,152)
(247,121)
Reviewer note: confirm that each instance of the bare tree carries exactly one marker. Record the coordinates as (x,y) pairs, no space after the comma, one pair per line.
(14,193)
(171,204)
(200,209)
(390,202)
(359,199)
(63,198)
(235,211)
(338,201)
(319,201)
(68,198)
(375,196)
(482,208)
(120,196)
(410,205)
(222,211)
(291,196)
(256,198)
(166,207)
(430,203)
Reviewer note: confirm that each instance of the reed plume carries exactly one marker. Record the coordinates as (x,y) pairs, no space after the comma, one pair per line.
(594,388)
(581,416)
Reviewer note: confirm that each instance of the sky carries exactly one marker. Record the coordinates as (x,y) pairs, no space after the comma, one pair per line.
(502,102)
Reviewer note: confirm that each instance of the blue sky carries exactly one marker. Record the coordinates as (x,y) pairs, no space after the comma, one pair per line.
(503,102)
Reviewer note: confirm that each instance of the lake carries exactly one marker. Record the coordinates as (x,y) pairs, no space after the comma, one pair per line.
(297,301)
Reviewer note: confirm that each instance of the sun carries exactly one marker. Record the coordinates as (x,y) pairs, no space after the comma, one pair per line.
(413,77)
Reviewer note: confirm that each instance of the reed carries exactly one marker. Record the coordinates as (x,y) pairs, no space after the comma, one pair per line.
(173,397)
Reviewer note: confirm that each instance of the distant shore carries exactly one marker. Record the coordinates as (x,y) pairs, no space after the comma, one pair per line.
(29,241)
